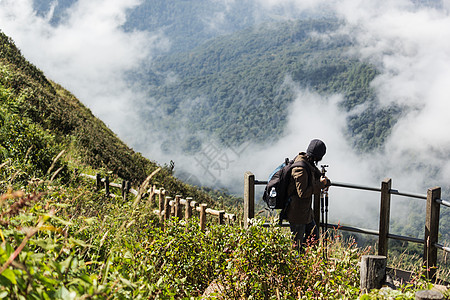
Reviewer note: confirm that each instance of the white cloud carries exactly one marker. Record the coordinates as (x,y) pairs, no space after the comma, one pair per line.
(411,45)
(88,53)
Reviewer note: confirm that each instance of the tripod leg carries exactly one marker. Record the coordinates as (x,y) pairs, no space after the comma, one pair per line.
(326,224)
(322,210)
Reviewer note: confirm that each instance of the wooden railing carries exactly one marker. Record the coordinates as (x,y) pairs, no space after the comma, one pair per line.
(125,187)
(167,206)
(433,203)
(170,207)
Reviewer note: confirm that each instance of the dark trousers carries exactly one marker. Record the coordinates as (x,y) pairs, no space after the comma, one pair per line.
(302,232)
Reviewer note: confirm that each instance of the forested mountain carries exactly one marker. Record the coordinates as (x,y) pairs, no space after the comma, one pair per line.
(234,87)
(187,23)
(226,70)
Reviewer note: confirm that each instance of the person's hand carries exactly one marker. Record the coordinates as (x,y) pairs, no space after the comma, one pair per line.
(325,182)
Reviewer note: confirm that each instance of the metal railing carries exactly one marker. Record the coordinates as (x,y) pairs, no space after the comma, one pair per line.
(433,203)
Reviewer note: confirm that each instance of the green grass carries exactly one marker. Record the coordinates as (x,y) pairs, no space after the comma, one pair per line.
(71,242)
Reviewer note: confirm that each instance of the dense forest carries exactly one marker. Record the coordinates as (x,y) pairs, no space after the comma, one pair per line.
(234,87)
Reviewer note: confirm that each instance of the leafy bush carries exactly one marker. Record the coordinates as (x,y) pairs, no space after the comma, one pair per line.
(263,265)
(38,260)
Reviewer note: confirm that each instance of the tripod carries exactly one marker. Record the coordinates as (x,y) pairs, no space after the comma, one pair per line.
(324,211)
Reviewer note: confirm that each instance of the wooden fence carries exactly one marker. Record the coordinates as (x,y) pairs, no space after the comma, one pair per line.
(433,204)
(167,206)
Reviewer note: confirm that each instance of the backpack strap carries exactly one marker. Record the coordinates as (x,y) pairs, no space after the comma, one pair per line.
(303,164)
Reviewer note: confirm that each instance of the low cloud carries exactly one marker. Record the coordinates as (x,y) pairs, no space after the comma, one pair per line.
(411,47)
(87,52)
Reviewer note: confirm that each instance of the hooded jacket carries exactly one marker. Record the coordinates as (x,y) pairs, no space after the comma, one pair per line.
(299,210)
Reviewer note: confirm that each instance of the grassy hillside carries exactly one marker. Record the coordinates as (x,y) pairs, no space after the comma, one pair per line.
(50,120)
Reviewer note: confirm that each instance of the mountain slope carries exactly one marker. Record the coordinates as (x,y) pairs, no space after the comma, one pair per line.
(234,87)
(40,118)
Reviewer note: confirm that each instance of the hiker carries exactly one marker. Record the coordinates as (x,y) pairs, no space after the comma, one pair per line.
(303,184)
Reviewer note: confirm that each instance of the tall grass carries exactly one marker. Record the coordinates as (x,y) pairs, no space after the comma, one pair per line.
(64,239)
(69,241)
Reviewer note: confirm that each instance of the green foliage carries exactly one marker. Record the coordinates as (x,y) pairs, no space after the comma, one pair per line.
(263,265)
(11,55)
(234,87)
(25,143)
(38,260)
(72,242)
(39,119)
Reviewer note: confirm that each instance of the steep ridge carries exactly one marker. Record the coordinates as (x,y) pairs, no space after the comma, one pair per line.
(71,125)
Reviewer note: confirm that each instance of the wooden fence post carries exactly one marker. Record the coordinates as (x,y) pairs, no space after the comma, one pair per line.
(128,186)
(98,179)
(161,205)
(249,198)
(372,272)
(188,209)
(385,211)
(221,217)
(431,232)
(177,210)
(203,216)
(167,208)
(123,189)
(107,186)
